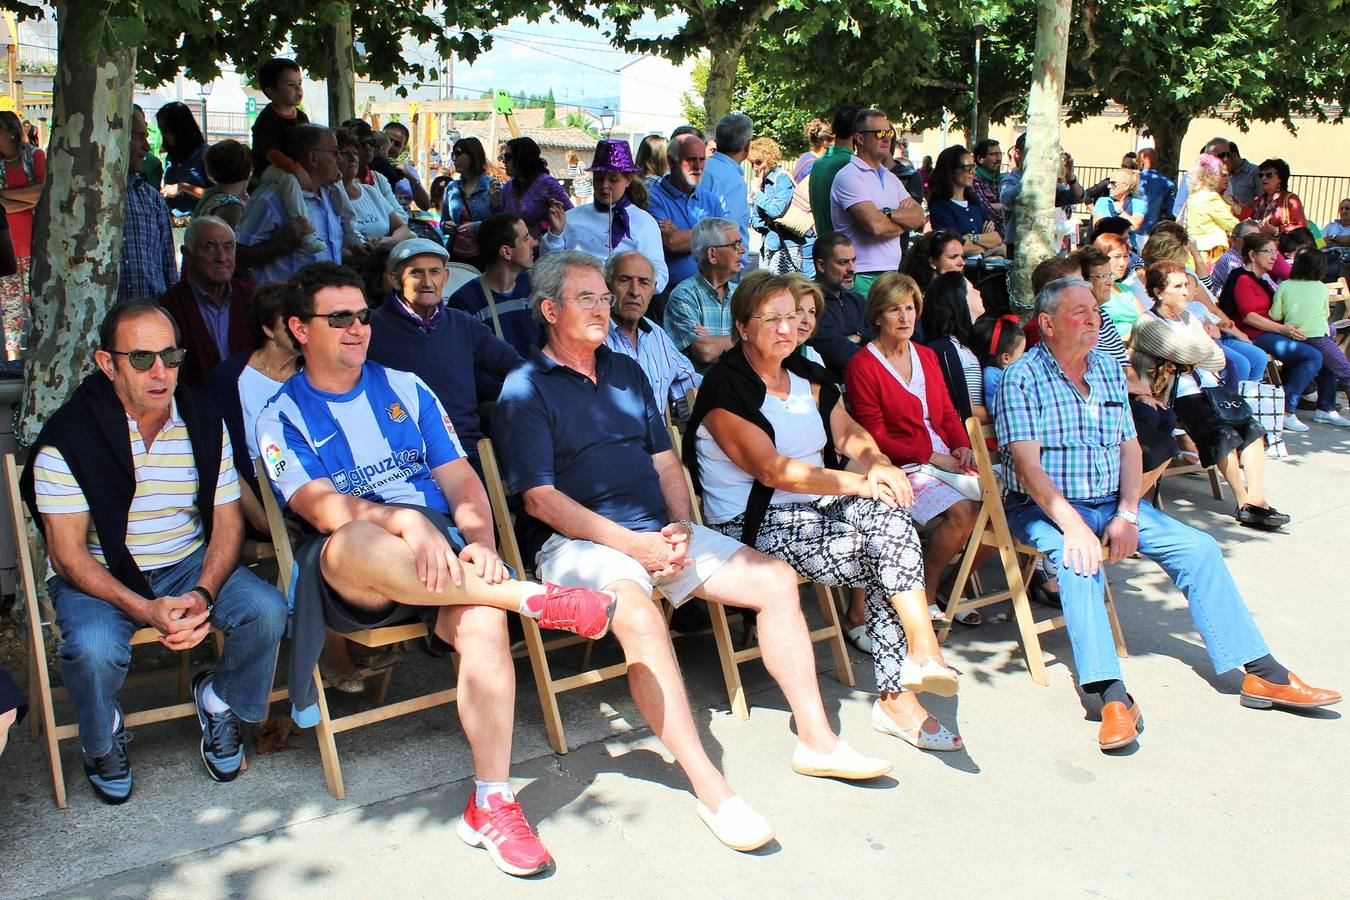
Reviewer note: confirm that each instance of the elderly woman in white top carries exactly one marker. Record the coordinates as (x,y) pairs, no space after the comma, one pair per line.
(766,434)
(378,221)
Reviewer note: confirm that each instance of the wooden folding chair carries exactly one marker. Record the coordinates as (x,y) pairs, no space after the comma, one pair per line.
(1180,468)
(991,530)
(374,638)
(832,632)
(41,694)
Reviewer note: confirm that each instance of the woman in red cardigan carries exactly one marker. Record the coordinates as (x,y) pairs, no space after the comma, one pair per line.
(895,389)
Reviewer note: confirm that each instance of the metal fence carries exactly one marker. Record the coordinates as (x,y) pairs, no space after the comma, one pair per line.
(1321,194)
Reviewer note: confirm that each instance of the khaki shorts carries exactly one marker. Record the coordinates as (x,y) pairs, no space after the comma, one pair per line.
(578,563)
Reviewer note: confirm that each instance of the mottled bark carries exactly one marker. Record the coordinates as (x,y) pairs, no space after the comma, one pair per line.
(721,81)
(1036,203)
(1168,132)
(77,231)
(341,70)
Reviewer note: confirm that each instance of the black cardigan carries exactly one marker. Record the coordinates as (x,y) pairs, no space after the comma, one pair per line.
(949,361)
(733,385)
(90,432)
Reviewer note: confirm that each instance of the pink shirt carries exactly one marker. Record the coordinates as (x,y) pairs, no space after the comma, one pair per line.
(855,183)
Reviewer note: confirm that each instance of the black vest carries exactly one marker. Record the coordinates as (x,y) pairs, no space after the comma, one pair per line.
(90,432)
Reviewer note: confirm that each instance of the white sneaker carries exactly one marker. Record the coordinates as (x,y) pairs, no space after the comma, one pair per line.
(1291,423)
(1331,417)
(736,824)
(844,762)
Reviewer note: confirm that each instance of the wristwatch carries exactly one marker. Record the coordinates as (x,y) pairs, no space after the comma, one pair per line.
(886,211)
(1131,517)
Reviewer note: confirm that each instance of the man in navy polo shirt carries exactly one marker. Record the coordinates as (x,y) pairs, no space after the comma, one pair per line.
(678,204)
(462,362)
(607,507)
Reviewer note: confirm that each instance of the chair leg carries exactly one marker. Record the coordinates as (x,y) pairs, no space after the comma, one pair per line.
(1215,485)
(1118,635)
(843,667)
(332,767)
(34,696)
(543,682)
(183,675)
(383,690)
(1026,622)
(42,708)
(726,654)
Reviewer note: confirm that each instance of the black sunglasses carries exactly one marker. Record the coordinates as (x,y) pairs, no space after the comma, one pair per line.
(142,360)
(345,318)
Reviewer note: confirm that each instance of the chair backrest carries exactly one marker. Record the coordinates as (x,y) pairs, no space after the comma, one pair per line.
(677,444)
(991,492)
(276,524)
(460,275)
(501,511)
(27,550)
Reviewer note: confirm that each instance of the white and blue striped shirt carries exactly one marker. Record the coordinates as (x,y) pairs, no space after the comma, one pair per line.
(667,369)
(379,441)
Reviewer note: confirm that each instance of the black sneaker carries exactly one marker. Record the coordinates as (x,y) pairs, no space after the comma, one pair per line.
(222,747)
(1274,518)
(110,774)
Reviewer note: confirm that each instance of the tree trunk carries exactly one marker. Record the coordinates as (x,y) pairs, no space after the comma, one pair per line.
(721,81)
(341,70)
(1168,132)
(1040,171)
(77,232)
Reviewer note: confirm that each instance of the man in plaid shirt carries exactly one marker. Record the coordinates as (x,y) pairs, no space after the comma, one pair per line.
(148,265)
(1072,464)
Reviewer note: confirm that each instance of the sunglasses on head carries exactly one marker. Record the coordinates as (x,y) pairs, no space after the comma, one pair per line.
(142,360)
(344,318)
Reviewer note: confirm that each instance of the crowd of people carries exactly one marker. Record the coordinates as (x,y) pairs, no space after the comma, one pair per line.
(311,328)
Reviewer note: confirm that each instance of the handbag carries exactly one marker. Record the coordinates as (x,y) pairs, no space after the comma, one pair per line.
(967,486)
(465,243)
(1268,401)
(1228,405)
(796,222)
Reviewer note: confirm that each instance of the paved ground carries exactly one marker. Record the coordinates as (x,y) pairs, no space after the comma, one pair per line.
(1215,800)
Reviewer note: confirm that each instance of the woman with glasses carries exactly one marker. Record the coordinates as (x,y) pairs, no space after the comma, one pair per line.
(767,434)
(1276,209)
(1211,212)
(1121,202)
(1123,305)
(531,188)
(378,222)
(953,205)
(470,199)
(773,196)
(1247,299)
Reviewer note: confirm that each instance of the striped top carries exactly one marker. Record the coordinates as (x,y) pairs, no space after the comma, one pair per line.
(163,527)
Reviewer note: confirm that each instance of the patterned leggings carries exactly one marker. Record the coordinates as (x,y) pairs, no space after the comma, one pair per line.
(850,542)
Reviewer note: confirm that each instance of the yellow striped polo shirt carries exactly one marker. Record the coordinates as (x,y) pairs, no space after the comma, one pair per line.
(163,526)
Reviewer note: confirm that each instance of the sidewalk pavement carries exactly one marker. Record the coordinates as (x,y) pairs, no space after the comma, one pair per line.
(1215,799)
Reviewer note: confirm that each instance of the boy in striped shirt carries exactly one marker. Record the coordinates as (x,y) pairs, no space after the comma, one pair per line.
(133,486)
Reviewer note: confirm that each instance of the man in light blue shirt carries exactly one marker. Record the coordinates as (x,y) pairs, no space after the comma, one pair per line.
(723,177)
(632,280)
(679,201)
(268,240)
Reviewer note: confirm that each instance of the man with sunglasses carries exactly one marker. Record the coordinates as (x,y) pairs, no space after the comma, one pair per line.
(369,459)
(698,315)
(132,484)
(607,506)
(869,204)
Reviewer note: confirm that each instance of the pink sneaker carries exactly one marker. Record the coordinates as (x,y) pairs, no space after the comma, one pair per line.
(578,610)
(502,831)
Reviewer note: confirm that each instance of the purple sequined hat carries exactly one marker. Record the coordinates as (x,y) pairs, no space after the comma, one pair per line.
(613,156)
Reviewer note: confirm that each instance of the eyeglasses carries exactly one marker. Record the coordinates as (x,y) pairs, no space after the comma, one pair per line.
(344,318)
(772,322)
(505,157)
(1269,174)
(142,360)
(588,302)
(738,244)
(969,167)
(885,134)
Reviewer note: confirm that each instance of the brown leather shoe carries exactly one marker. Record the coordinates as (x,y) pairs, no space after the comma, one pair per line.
(1261,694)
(1120,725)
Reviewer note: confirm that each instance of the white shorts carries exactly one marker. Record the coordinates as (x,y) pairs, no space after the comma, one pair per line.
(578,563)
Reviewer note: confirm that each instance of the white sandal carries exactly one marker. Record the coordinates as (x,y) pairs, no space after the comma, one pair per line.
(857,636)
(931,677)
(940,741)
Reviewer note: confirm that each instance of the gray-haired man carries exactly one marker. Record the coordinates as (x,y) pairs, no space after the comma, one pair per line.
(698,315)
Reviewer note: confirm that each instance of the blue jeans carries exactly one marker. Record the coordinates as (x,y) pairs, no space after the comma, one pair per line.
(1303,363)
(96,644)
(1191,558)
(1246,361)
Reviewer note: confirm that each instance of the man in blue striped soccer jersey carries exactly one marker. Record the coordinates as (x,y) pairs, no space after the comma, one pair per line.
(368,457)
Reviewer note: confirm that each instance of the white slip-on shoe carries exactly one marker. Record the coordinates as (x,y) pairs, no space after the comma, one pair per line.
(1331,417)
(843,762)
(857,636)
(941,740)
(1292,423)
(736,824)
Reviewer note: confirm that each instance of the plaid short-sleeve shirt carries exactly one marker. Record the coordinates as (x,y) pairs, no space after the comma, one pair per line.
(1080,436)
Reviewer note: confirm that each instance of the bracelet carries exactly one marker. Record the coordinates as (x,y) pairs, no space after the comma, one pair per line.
(688,524)
(206,595)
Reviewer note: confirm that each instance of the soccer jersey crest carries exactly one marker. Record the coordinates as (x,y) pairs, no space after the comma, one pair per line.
(396,412)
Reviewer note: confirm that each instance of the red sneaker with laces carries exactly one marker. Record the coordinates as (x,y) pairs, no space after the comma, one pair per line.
(502,831)
(578,610)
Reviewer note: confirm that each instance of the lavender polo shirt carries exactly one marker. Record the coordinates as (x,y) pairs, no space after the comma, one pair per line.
(856,182)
